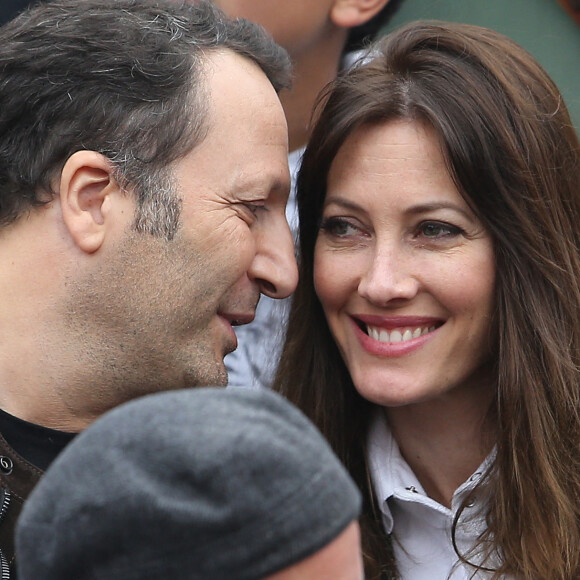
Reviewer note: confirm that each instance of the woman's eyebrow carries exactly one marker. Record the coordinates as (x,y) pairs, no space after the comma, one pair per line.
(412,210)
(427,207)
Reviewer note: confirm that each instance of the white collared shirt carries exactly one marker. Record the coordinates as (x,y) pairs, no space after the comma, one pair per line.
(421,527)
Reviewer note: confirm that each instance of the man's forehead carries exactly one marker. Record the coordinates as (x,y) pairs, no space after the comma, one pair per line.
(245,119)
(265,181)
(226,69)
(238,90)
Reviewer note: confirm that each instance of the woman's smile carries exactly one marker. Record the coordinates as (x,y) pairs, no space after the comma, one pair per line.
(404,270)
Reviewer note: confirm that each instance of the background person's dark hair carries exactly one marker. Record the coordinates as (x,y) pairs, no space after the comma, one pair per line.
(362,35)
(121,77)
(514,155)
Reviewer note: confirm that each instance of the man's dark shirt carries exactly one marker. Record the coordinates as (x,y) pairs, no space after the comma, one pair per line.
(9,9)
(26,450)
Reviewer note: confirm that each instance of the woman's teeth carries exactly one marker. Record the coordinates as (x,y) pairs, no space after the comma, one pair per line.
(397,335)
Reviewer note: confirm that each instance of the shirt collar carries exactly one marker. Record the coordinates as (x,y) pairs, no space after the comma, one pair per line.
(388,470)
(391,474)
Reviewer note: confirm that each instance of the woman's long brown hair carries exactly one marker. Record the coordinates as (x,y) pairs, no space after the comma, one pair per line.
(514,155)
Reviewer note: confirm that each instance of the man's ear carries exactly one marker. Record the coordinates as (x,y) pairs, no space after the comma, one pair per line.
(351,13)
(87,185)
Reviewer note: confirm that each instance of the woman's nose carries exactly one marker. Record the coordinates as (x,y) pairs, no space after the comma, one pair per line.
(389,276)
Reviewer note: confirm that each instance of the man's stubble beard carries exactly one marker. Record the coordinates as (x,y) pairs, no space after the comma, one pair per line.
(129,329)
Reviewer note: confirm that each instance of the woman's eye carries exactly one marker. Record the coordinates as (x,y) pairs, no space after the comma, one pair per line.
(338,227)
(434,230)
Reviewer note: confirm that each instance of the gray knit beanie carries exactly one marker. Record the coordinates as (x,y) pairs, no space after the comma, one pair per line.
(210,483)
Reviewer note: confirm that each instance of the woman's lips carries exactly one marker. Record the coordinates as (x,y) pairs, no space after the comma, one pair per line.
(394,336)
(402,334)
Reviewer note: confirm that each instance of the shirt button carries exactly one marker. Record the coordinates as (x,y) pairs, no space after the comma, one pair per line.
(6,465)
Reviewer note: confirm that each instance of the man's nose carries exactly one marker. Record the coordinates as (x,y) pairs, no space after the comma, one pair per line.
(274,267)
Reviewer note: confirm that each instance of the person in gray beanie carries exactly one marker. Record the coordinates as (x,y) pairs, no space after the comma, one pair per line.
(209,484)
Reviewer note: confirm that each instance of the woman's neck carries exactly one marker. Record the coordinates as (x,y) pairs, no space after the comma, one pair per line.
(445,440)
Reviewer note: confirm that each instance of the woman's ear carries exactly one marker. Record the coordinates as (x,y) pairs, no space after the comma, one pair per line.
(351,13)
(86,186)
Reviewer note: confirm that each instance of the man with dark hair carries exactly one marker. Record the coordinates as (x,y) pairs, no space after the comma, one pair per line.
(143,181)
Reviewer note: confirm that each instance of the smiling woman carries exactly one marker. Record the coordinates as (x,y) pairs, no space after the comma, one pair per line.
(407,287)
(439,274)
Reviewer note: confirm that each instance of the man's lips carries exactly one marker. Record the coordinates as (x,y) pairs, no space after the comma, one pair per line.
(238,318)
(235,319)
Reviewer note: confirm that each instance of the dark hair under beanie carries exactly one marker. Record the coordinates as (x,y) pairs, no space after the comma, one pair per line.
(202,484)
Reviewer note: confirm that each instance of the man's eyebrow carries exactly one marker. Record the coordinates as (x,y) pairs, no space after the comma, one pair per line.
(257,183)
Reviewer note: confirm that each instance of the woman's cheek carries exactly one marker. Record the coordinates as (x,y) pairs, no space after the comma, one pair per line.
(334,276)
